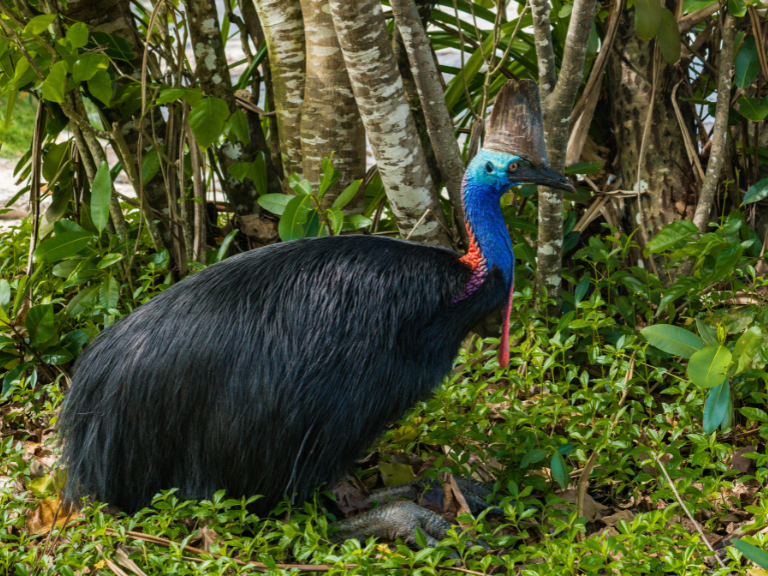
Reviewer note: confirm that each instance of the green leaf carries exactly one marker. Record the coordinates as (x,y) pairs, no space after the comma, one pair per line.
(239,126)
(336,219)
(532,457)
(239,170)
(355,222)
(755,414)
(88,65)
(39,323)
(222,253)
(708,366)
(55,84)
(258,173)
(560,470)
(77,305)
(109,292)
(584,168)
(747,64)
(737,7)
(753,553)
(207,119)
(275,203)
(716,407)
(708,333)
(670,235)
(56,356)
(5,294)
(150,165)
(108,260)
(190,95)
(101,194)
(581,289)
(669,37)
(9,105)
(756,192)
(347,194)
(61,246)
(746,348)
(77,35)
(752,109)
(330,175)
(101,87)
(301,186)
(673,339)
(294,217)
(38,25)
(647,18)
(56,156)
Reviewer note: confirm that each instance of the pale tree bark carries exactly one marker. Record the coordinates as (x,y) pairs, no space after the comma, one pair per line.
(283,28)
(431,94)
(666,194)
(545,53)
(720,131)
(380,96)
(330,121)
(557,105)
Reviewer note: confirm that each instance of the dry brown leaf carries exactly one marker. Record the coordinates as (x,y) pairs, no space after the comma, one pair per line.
(592,508)
(454,503)
(740,462)
(614,519)
(208,538)
(121,557)
(40,521)
(349,497)
(757,572)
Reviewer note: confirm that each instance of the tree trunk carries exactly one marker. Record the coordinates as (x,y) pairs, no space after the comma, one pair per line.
(330,121)
(666,180)
(283,28)
(380,96)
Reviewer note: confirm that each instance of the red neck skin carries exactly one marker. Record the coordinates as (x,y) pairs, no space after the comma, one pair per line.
(475,259)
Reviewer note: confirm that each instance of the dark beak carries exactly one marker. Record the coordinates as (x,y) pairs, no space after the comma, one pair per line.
(542,176)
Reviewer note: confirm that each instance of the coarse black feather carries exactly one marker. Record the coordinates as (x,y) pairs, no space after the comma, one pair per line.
(268,373)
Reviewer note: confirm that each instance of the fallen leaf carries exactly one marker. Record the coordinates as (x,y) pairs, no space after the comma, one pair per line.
(395,474)
(614,519)
(740,462)
(40,521)
(592,508)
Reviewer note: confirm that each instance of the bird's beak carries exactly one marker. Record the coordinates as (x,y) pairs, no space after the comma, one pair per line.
(542,176)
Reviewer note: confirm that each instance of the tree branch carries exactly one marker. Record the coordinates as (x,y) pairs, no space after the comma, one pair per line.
(545,54)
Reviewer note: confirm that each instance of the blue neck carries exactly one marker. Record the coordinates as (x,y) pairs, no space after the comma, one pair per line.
(481,194)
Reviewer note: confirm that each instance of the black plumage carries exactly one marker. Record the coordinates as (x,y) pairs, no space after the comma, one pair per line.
(268,373)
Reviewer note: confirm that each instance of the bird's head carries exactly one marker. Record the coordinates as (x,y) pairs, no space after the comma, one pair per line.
(498,171)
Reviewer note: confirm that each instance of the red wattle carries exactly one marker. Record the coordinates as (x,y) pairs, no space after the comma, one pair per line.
(504,342)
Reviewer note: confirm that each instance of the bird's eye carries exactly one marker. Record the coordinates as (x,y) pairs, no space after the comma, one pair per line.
(512,166)
(489,167)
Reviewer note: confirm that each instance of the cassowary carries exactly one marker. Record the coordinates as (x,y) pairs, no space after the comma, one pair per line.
(271,372)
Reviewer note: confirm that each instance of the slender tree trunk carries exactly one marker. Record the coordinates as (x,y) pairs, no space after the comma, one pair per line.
(330,121)
(283,28)
(665,179)
(380,96)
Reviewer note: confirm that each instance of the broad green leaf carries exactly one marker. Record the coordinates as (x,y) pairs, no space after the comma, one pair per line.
(38,25)
(395,473)
(222,253)
(756,192)
(755,414)
(109,292)
(294,217)
(301,186)
(239,170)
(56,356)
(101,194)
(716,406)
(61,246)
(708,333)
(581,289)
(347,194)
(669,37)
(88,65)
(753,553)
(752,109)
(746,348)
(5,294)
(275,203)
(101,87)
(336,219)
(647,18)
(258,173)
(9,105)
(21,290)
(747,64)
(737,7)
(150,165)
(207,119)
(673,339)
(532,457)
(40,323)
(77,35)
(693,5)
(670,235)
(560,470)
(239,126)
(707,367)
(77,305)
(584,168)
(55,84)
(108,260)
(190,95)
(330,175)
(355,222)
(54,158)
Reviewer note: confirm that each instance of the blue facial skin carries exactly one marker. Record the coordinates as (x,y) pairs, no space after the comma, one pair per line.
(485,181)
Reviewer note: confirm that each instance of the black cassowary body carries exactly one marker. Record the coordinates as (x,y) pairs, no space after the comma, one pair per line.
(268,373)
(271,372)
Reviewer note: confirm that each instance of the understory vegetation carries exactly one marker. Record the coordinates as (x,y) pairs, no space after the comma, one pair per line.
(605,438)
